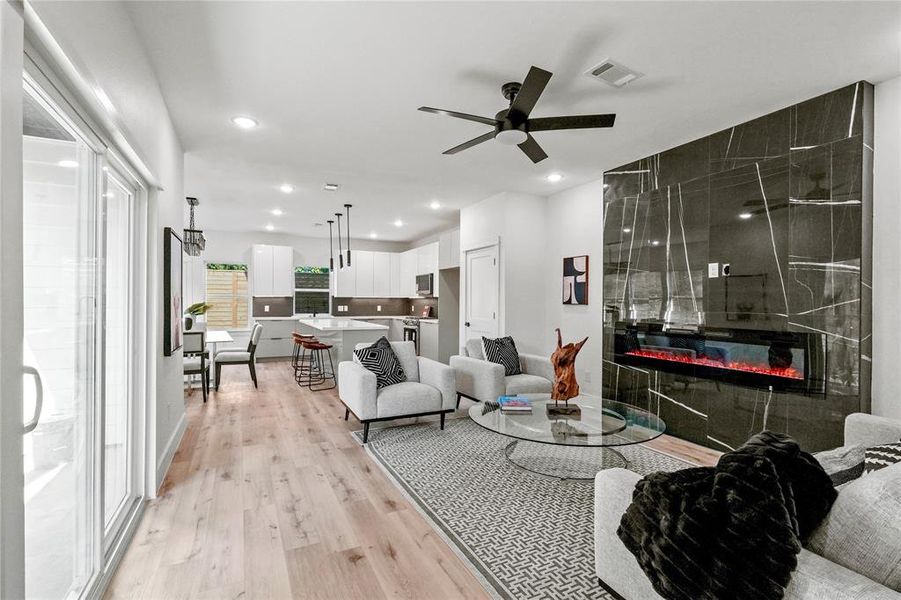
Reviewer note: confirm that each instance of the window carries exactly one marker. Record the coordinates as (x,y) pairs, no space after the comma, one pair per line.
(226,291)
(311,290)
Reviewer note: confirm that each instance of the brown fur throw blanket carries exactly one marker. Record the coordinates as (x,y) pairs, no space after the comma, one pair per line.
(729,532)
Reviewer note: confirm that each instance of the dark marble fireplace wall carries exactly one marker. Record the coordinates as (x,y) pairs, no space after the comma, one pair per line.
(786,201)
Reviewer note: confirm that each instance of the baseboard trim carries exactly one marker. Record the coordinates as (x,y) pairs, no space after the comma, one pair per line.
(165,461)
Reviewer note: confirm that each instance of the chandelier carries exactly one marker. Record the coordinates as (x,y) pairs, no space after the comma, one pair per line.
(194,241)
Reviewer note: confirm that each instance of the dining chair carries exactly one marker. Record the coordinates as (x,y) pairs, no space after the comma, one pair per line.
(237,356)
(195,359)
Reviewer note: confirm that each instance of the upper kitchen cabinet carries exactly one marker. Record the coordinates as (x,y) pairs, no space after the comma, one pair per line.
(381,274)
(396,279)
(449,250)
(346,279)
(427,262)
(362,262)
(408,272)
(272,270)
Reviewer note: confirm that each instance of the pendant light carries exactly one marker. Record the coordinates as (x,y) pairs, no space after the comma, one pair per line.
(194,241)
(331,248)
(347,212)
(340,252)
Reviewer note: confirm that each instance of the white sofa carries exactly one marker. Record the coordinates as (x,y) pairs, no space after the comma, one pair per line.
(815,578)
(428,390)
(482,380)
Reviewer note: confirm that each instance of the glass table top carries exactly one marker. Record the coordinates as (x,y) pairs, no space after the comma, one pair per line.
(600,422)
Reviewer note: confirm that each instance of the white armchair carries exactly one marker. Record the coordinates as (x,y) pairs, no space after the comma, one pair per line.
(428,390)
(482,380)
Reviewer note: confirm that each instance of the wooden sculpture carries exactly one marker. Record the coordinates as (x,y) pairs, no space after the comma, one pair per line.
(564,361)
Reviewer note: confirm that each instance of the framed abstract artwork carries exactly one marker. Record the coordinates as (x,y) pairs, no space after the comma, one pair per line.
(575,280)
(172,292)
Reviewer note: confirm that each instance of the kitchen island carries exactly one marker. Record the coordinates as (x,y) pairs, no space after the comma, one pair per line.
(342,333)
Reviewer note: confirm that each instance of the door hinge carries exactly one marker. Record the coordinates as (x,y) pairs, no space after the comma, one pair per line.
(493,315)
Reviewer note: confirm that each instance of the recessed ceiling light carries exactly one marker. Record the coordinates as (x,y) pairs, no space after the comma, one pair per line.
(398,223)
(435,205)
(554,177)
(286,188)
(745,215)
(270,227)
(278,212)
(373,235)
(69,164)
(245,122)
(330,187)
(627,230)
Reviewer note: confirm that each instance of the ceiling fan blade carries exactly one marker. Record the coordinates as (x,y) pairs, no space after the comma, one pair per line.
(531,89)
(574,122)
(533,150)
(459,115)
(470,143)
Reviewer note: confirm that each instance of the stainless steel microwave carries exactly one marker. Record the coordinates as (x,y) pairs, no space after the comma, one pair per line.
(424,284)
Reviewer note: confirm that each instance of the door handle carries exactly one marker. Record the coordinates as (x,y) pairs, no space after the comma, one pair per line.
(39,397)
(466,324)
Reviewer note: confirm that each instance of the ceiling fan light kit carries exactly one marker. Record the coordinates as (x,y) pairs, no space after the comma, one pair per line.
(513,127)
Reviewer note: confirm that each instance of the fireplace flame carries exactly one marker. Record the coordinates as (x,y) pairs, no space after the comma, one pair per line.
(787,372)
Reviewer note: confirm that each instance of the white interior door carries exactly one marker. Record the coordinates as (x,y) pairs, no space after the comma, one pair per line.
(480,297)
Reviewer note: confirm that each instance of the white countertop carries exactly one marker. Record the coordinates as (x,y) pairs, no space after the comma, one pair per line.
(395,317)
(341,324)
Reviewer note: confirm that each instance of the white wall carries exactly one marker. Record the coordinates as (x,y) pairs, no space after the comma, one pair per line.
(100,40)
(574,221)
(887,249)
(518,221)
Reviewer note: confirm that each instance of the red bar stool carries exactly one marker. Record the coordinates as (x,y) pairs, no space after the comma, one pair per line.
(317,374)
(299,360)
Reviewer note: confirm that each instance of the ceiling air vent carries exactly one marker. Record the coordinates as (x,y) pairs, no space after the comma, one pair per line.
(613,73)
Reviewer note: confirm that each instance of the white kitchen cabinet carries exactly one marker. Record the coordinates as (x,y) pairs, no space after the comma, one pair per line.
(381,274)
(272,270)
(428,339)
(408,273)
(276,340)
(282,271)
(449,250)
(397,288)
(362,261)
(345,282)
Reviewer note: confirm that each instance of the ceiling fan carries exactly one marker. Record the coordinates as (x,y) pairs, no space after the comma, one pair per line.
(512,126)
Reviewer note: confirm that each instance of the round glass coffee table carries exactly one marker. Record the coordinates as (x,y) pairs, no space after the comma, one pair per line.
(569,446)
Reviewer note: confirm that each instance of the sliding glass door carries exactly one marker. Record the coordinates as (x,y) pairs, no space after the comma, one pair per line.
(81,397)
(59,207)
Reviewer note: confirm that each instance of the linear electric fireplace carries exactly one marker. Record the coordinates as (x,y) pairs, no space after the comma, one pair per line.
(785,361)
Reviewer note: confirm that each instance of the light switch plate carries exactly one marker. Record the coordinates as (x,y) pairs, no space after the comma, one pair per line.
(713,270)
(378,308)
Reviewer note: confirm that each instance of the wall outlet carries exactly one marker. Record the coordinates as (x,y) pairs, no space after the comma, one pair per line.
(412,308)
(727,270)
(265,308)
(378,308)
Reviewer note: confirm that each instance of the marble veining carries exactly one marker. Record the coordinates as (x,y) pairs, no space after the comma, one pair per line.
(786,201)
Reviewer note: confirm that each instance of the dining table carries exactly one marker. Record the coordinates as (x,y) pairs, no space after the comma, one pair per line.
(214,337)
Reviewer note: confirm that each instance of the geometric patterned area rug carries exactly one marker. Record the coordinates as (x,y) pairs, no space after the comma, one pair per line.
(524,536)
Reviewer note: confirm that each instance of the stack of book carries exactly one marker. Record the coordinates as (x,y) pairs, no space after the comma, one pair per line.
(515,404)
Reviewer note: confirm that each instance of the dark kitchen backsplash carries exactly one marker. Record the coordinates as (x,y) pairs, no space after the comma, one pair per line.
(278,306)
(366,307)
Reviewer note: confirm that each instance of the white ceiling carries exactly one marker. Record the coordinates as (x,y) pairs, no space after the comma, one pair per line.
(336,85)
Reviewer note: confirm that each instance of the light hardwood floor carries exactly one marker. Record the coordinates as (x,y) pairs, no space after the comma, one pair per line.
(268,496)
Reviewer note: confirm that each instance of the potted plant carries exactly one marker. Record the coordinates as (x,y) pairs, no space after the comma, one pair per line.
(195,310)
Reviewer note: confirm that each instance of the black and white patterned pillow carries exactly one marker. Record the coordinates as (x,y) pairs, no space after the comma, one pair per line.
(381,360)
(879,457)
(503,352)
